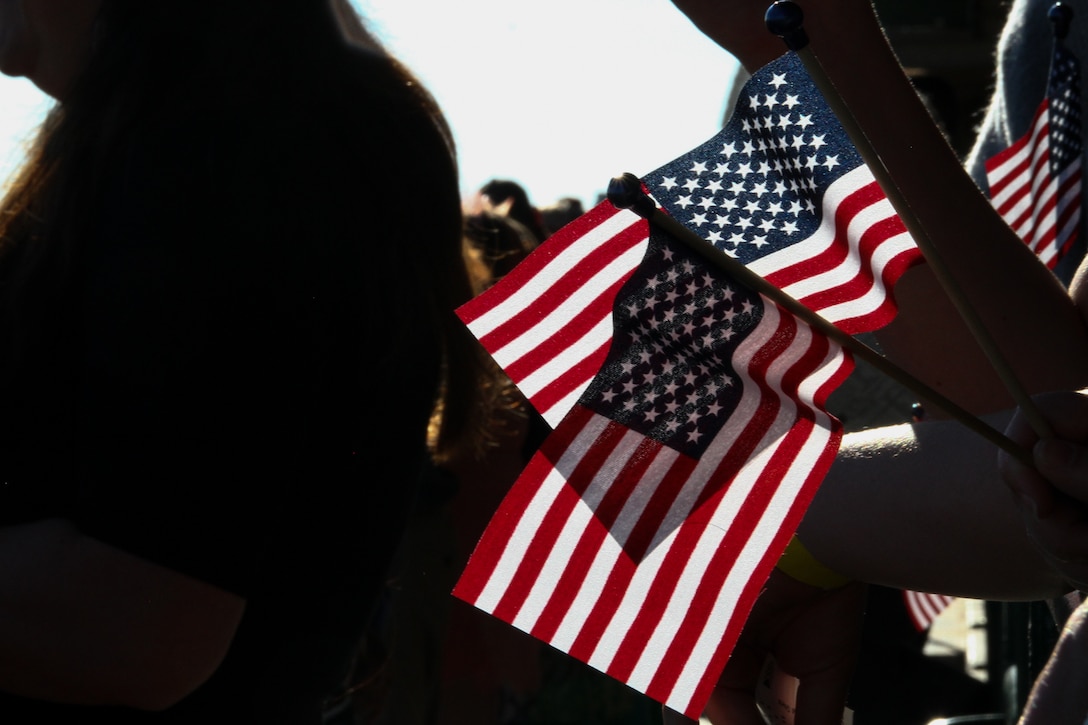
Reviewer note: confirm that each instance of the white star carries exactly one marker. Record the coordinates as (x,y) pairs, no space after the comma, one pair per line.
(778,80)
(669,183)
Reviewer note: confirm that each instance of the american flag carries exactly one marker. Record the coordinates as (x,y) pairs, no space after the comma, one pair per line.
(784,191)
(639,536)
(780,188)
(548,322)
(1035,184)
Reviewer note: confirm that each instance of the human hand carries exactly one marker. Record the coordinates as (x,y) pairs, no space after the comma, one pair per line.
(1053,496)
(813,635)
(1059,694)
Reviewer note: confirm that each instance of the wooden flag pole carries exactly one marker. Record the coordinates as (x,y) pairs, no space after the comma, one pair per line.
(785,19)
(625,192)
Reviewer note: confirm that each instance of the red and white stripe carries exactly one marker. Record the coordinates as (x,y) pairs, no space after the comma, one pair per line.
(1042,209)
(548,323)
(643,562)
(845,270)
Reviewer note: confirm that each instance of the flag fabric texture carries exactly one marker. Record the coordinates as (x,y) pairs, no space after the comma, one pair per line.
(1035,184)
(639,536)
(548,322)
(690,432)
(780,188)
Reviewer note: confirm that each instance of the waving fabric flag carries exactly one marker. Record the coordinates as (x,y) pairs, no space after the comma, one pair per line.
(689,428)
(780,188)
(548,322)
(639,536)
(783,190)
(1035,184)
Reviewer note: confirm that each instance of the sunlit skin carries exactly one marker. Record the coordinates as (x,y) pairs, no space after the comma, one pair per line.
(47,41)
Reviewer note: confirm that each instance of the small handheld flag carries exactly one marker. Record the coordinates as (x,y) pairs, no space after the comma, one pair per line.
(1035,184)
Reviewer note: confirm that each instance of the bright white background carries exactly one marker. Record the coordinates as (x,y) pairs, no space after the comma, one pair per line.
(559,95)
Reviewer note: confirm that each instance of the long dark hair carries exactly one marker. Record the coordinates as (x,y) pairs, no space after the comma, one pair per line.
(241,82)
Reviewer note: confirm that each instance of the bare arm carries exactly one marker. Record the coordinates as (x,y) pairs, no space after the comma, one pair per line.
(924,507)
(82,622)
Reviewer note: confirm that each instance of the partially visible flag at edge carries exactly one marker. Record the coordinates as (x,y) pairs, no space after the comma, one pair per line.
(788,196)
(924,608)
(1035,184)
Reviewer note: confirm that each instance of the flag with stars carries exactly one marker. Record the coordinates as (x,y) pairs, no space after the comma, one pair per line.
(548,322)
(783,190)
(780,188)
(639,536)
(689,429)
(1035,184)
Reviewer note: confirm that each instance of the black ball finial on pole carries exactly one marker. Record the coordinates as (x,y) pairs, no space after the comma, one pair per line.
(1060,15)
(625,192)
(785,19)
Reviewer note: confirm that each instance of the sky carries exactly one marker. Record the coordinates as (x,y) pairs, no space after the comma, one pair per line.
(559,96)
